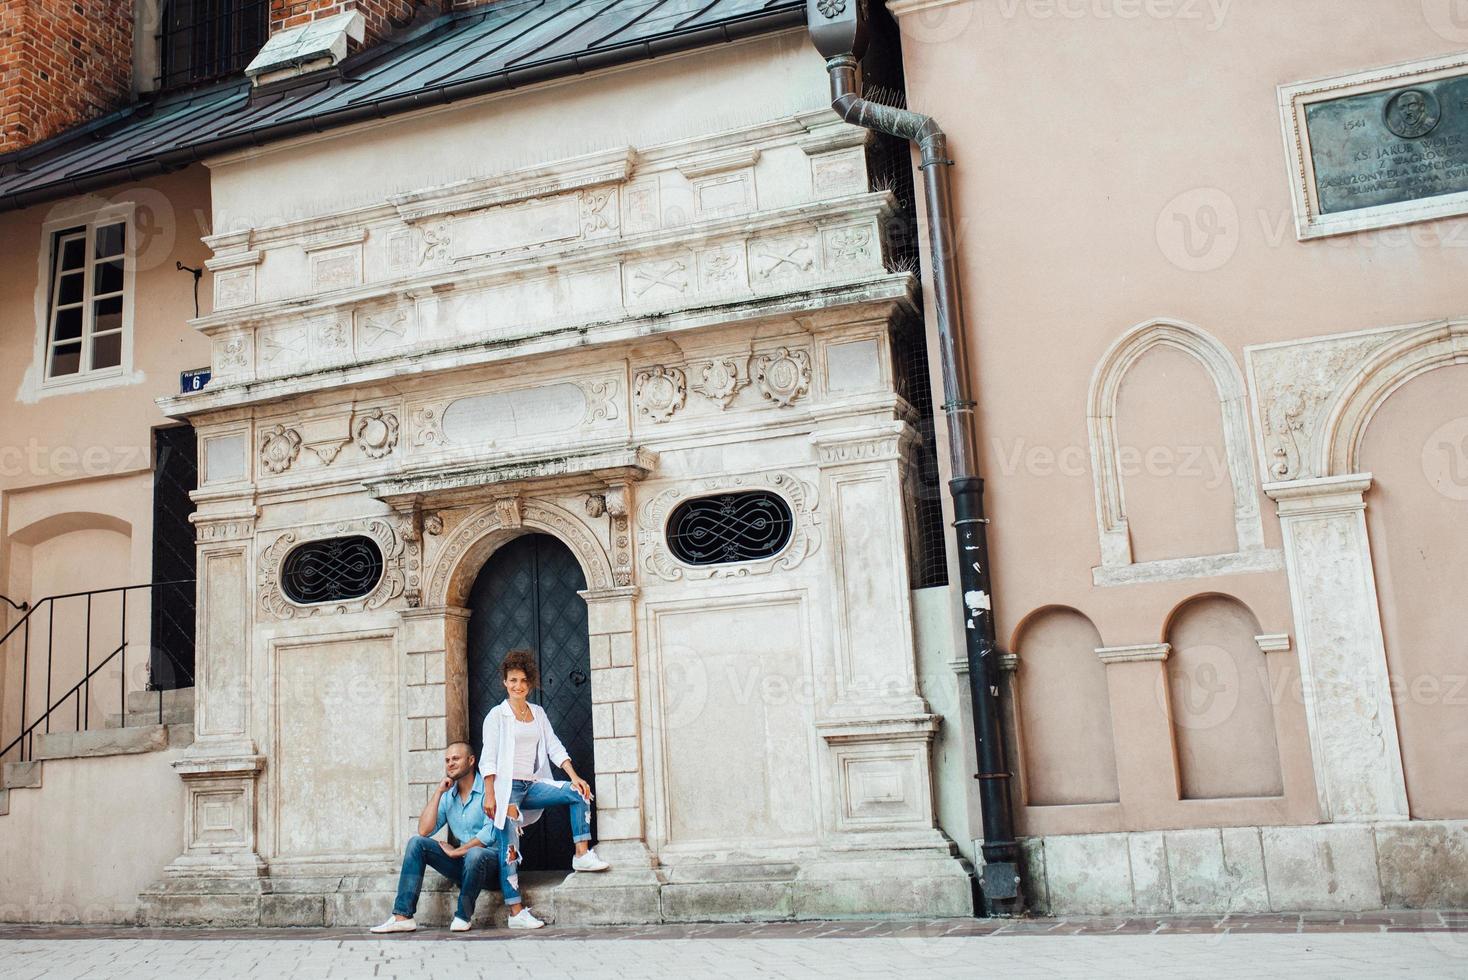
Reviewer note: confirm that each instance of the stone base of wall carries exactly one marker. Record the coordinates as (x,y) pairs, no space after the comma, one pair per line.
(1327,867)
(884,885)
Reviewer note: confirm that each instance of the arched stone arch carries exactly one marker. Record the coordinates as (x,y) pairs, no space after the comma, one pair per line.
(57,524)
(1362,393)
(485,530)
(1117,566)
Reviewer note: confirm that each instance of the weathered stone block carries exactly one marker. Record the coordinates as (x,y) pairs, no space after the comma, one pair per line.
(629,789)
(103,741)
(1032,875)
(292,910)
(622,823)
(1423,865)
(435,733)
(622,652)
(1213,874)
(1151,891)
(737,901)
(433,671)
(616,754)
(601,652)
(425,701)
(608,617)
(607,903)
(624,718)
(603,724)
(612,684)
(1089,874)
(1331,866)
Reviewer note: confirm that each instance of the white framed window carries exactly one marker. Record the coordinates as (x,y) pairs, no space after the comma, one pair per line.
(87,270)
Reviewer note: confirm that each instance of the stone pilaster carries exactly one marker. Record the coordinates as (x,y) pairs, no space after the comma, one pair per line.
(1353,730)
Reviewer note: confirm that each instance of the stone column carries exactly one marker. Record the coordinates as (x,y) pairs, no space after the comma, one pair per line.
(1141,723)
(1353,729)
(218,878)
(629,893)
(435,698)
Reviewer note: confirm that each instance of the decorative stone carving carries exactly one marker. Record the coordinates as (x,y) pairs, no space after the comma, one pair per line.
(719,380)
(325,437)
(596,505)
(432,525)
(233,355)
(391,539)
(383,328)
(849,244)
(428,426)
(782,375)
(778,260)
(671,274)
(453,577)
(279,448)
(598,210)
(376,433)
(804,536)
(601,400)
(617,503)
(436,243)
(660,392)
(282,346)
(509,512)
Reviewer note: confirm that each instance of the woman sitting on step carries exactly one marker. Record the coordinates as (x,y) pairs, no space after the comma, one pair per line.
(519,748)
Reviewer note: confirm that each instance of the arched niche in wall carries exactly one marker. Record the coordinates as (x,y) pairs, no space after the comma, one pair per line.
(1068,753)
(58,555)
(1415,446)
(1188,455)
(1221,697)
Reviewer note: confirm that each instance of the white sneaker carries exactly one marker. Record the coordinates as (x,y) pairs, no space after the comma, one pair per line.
(588,862)
(394,924)
(525,919)
(458,925)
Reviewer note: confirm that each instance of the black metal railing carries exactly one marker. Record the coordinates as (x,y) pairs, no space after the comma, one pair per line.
(201,40)
(42,615)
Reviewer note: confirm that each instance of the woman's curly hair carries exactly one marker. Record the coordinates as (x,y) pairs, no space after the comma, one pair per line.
(522,660)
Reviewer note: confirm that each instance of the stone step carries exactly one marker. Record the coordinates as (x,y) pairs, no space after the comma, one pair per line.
(21,775)
(172,715)
(111,741)
(142,702)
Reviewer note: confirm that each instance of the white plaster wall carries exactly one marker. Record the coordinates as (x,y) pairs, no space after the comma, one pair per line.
(713,90)
(96,833)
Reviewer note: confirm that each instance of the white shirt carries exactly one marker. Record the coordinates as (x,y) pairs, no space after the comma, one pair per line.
(498,757)
(527,741)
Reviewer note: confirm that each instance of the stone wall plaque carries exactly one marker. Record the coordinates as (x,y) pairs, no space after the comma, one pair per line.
(1379,148)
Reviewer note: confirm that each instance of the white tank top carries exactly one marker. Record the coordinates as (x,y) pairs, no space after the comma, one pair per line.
(527,740)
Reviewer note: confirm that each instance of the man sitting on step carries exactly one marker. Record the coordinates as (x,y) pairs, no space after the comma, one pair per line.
(458,802)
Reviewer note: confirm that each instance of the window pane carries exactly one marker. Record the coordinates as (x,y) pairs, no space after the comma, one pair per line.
(66,359)
(109,241)
(107,277)
(106,351)
(73,253)
(68,324)
(71,288)
(108,314)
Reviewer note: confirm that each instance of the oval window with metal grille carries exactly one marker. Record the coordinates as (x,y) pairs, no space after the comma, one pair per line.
(730,527)
(331,570)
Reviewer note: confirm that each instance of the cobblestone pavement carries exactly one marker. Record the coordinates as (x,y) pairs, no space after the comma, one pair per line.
(1418,944)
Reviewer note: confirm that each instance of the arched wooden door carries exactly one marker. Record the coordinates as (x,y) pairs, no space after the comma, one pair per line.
(526,596)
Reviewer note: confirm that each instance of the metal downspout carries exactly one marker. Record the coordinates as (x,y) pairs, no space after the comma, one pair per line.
(846,36)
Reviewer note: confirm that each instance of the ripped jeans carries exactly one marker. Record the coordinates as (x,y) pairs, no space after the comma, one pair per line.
(530,794)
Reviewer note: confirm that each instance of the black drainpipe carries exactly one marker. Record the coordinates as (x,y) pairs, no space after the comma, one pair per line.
(838,30)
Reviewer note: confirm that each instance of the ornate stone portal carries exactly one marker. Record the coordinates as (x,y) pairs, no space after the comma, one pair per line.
(762,744)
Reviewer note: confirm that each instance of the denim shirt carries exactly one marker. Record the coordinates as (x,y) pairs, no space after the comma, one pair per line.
(465,820)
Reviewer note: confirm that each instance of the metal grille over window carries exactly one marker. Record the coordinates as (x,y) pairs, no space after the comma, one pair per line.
(331,570)
(201,40)
(730,527)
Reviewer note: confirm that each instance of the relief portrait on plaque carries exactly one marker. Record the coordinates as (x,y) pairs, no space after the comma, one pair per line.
(1413,114)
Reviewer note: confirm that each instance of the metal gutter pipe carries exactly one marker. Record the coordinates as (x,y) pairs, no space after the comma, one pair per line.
(838,30)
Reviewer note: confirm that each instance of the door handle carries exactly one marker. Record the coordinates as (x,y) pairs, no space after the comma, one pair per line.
(578,678)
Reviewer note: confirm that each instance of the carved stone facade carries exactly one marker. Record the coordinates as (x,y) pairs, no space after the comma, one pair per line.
(406,373)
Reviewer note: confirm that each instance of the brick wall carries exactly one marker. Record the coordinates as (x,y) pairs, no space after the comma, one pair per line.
(62,62)
(383,17)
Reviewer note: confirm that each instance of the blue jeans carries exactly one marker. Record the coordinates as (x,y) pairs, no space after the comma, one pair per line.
(530,794)
(470,871)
